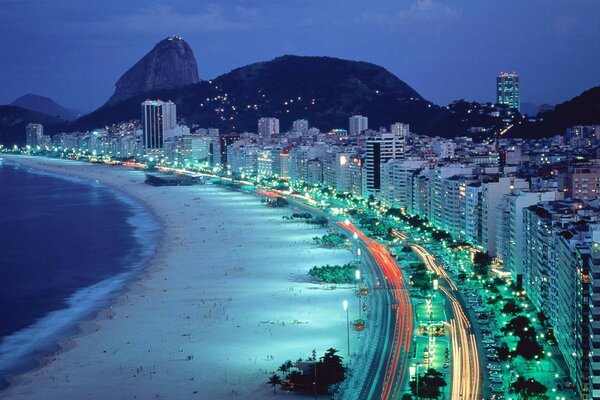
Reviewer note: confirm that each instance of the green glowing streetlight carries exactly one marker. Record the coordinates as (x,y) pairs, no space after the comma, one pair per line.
(357,276)
(345,303)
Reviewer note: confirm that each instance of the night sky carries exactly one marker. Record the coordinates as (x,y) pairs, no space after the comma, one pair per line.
(74,51)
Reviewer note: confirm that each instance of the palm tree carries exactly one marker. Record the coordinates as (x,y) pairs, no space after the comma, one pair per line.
(274,380)
(285,367)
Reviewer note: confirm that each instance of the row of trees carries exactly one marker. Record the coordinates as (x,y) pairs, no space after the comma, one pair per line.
(529,388)
(481,263)
(334,273)
(527,346)
(311,375)
(419,223)
(421,278)
(330,240)
(298,215)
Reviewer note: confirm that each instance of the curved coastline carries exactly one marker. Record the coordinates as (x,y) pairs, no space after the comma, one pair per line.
(69,323)
(234,262)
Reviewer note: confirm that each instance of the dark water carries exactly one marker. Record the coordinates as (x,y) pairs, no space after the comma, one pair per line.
(66,245)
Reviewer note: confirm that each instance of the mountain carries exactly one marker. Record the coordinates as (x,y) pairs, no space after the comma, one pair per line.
(171,63)
(14,119)
(581,110)
(44,105)
(324,90)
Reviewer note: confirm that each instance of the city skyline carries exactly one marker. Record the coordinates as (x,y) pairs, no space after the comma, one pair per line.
(445,51)
(372,181)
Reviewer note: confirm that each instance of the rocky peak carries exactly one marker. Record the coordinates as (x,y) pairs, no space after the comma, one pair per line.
(170,63)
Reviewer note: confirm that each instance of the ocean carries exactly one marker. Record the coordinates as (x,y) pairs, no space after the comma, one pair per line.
(66,246)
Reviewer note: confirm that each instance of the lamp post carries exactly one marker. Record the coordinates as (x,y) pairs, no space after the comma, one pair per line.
(414,370)
(347,325)
(357,276)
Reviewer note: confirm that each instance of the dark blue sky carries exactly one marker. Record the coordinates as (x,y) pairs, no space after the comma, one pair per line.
(75,50)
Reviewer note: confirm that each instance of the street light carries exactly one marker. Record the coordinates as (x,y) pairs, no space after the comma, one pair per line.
(357,276)
(347,325)
(414,370)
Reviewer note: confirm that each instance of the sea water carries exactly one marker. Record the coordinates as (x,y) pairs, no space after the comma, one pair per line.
(66,246)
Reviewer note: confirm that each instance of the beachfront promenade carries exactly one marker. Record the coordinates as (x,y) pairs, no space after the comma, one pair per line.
(381,356)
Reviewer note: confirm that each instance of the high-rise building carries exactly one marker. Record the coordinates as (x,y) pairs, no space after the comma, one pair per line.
(300,125)
(492,192)
(358,123)
(34,134)
(158,119)
(380,149)
(580,182)
(400,129)
(507,90)
(517,202)
(268,127)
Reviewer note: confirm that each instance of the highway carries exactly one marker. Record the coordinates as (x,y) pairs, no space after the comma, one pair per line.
(396,350)
(466,372)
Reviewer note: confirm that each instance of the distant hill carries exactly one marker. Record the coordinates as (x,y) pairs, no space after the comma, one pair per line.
(581,110)
(44,105)
(171,63)
(14,119)
(529,109)
(325,90)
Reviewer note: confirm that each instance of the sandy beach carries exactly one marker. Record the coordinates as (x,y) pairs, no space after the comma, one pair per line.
(224,302)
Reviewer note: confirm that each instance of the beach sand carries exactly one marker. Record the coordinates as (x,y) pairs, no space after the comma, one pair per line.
(223,303)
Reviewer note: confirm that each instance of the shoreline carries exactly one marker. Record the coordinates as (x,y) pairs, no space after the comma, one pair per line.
(65,339)
(28,383)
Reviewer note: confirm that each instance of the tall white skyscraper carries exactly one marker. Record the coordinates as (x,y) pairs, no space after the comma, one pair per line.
(159,118)
(268,127)
(507,90)
(358,123)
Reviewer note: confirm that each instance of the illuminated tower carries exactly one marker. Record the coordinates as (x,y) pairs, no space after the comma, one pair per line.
(507,90)
(158,118)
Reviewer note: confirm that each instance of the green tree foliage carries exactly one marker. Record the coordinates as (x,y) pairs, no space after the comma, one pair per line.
(422,280)
(330,240)
(519,326)
(430,384)
(274,380)
(481,263)
(330,370)
(528,388)
(334,273)
(320,221)
(543,318)
(440,235)
(511,307)
(503,352)
(529,348)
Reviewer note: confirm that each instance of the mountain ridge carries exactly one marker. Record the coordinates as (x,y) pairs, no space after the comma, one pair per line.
(44,105)
(170,63)
(13,121)
(325,90)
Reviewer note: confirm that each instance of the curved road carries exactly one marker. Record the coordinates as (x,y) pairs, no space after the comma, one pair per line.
(396,350)
(466,372)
